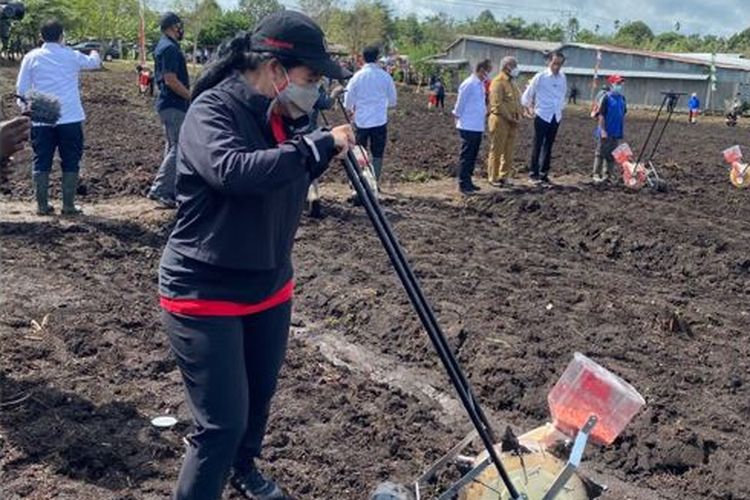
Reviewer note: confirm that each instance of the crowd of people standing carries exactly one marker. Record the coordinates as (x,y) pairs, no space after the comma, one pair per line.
(498,106)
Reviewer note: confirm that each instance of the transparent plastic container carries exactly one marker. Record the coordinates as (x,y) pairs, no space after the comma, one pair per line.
(622,153)
(586,389)
(732,155)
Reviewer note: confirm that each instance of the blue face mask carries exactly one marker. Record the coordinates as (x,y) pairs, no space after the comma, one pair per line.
(617,89)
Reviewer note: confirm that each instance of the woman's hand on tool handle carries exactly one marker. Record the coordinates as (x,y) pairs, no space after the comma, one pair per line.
(343,138)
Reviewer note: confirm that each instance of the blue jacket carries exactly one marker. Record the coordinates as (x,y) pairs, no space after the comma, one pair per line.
(168,58)
(694,103)
(614,107)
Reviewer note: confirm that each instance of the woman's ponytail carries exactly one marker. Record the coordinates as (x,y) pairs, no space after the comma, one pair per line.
(234,54)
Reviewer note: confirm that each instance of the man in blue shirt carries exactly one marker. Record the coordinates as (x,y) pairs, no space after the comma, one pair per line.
(470,112)
(694,106)
(611,116)
(172,104)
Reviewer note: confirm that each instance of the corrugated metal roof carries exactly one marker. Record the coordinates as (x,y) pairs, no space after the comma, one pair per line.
(722,60)
(449,62)
(658,75)
(510,42)
(669,56)
(698,59)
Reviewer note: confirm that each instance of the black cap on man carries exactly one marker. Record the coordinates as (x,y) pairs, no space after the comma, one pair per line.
(171,21)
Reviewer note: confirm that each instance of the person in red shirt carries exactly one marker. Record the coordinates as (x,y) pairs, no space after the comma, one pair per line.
(226,278)
(145,81)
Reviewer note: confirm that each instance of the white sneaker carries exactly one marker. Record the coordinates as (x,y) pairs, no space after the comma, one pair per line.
(597,179)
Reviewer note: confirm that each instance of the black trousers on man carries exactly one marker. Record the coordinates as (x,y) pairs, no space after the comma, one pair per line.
(66,139)
(375,138)
(470,142)
(230,366)
(541,153)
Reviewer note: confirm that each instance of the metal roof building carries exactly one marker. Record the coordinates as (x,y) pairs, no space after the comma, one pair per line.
(647,73)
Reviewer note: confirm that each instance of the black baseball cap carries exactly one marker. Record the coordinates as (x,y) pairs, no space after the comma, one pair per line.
(293,34)
(169,19)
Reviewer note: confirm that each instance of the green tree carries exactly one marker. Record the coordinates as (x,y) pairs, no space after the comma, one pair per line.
(484,24)
(573,29)
(319,10)
(409,32)
(37,11)
(636,34)
(222,28)
(365,24)
(258,9)
(196,15)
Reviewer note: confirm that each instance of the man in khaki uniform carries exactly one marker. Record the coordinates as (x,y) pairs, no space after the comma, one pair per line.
(504,115)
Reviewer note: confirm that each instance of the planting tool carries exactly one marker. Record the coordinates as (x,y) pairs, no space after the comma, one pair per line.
(570,401)
(739,173)
(588,403)
(639,173)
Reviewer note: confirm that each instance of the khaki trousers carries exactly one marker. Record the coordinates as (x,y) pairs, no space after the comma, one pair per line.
(502,135)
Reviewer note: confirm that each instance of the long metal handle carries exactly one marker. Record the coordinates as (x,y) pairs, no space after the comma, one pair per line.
(651,131)
(431,317)
(425,313)
(670,111)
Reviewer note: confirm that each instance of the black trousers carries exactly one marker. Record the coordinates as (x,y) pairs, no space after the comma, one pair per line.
(440,101)
(541,153)
(230,366)
(66,139)
(470,142)
(373,138)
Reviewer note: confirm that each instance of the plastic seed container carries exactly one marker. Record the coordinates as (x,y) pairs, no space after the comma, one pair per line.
(732,155)
(622,153)
(586,389)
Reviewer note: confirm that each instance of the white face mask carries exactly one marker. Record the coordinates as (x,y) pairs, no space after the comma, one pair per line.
(297,100)
(515,72)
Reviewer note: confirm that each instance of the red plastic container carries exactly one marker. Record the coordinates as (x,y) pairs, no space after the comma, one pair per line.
(732,155)
(622,153)
(586,389)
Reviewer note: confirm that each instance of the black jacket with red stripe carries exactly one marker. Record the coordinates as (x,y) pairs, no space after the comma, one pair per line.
(240,194)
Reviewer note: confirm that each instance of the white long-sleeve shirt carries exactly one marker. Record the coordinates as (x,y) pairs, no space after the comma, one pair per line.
(53,69)
(546,93)
(471,105)
(369,94)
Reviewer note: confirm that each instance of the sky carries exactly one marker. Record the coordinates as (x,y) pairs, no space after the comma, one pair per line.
(717,17)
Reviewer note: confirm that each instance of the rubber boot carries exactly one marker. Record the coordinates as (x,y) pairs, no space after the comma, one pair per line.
(377,165)
(69,186)
(41,192)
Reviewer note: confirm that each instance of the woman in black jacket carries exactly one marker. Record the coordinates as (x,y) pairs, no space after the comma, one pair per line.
(226,278)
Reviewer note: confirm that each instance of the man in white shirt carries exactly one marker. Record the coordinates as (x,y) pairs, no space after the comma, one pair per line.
(545,97)
(54,69)
(470,112)
(369,94)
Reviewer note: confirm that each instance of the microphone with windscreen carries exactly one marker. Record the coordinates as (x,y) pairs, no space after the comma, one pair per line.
(41,108)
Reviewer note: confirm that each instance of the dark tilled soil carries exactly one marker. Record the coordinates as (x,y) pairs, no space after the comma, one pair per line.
(652,285)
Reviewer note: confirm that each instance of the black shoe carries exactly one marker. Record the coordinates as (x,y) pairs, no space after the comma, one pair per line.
(466,190)
(49,210)
(475,188)
(165,202)
(316,209)
(545,180)
(250,483)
